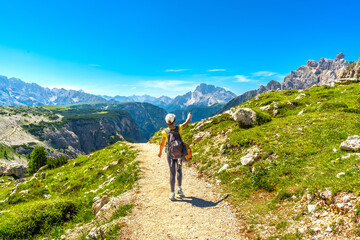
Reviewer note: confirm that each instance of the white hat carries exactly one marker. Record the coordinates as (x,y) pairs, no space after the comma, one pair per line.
(170,118)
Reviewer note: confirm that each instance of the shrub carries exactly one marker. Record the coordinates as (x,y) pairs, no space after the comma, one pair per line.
(37,219)
(56,162)
(37,159)
(262,118)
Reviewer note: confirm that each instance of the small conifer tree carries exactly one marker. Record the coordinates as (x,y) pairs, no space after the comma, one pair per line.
(37,159)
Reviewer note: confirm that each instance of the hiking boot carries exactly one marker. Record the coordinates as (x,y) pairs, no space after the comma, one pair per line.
(180,191)
(172,196)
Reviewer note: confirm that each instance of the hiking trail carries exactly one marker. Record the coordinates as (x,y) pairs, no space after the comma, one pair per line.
(203,213)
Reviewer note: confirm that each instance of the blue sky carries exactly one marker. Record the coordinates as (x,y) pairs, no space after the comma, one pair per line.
(168,47)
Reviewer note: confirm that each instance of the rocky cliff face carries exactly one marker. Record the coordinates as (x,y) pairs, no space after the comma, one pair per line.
(350,72)
(14,92)
(204,95)
(148,117)
(323,72)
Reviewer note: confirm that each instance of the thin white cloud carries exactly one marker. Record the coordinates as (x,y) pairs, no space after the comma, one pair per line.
(176,70)
(242,78)
(264,74)
(94,65)
(169,85)
(217,70)
(133,88)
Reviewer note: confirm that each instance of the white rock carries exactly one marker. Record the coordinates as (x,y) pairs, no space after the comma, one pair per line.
(346,198)
(316,229)
(349,155)
(245,117)
(311,208)
(114,163)
(265,108)
(47,196)
(352,143)
(197,137)
(328,229)
(301,95)
(105,168)
(223,167)
(301,112)
(334,149)
(248,159)
(25,191)
(340,174)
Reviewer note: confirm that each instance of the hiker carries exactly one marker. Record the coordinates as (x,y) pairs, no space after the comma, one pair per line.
(175,150)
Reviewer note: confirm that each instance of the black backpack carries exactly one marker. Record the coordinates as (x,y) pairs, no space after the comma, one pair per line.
(175,145)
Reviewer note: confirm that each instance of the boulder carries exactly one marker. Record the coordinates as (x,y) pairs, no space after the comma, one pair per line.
(249,159)
(245,117)
(197,137)
(99,204)
(13,169)
(352,143)
(43,175)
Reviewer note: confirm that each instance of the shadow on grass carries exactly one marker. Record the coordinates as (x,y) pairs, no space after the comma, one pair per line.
(198,202)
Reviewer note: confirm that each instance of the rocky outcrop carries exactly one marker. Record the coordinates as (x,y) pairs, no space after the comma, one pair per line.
(350,72)
(99,204)
(13,169)
(245,117)
(323,72)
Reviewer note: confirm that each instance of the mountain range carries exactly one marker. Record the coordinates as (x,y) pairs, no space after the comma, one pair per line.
(323,72)
(15,92)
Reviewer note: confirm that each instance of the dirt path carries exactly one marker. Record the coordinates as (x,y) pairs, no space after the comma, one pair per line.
(201,214)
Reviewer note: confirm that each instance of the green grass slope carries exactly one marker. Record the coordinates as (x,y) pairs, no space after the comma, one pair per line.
(71,188)
(297,153)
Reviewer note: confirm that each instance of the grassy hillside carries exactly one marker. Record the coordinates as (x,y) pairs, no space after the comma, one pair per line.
(47,207)
(298,154)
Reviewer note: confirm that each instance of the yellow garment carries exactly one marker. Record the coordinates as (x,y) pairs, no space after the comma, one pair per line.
(180,132)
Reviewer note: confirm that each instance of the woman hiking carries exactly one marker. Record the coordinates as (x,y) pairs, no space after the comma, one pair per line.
(174,149)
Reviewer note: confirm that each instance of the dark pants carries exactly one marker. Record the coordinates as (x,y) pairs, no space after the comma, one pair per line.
(175,168)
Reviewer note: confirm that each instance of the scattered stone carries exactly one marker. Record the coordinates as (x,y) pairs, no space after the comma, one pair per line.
(200,135)
(245,117)
(2,181)
(352,143)
(340,174)
(334,150)
(349,155)
(60,173)
(327,196)
(47,195)
(105,168)
(43,175)
(19,181)
(249,159)
(301,95)
(301,112)
(328,229)
(95,199)
(265,108)
(99,204)
(311,208)
(346,198)
(223,168)
(114,163)
(25,191)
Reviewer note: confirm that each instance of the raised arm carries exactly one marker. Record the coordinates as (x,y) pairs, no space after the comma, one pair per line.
(187,120)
